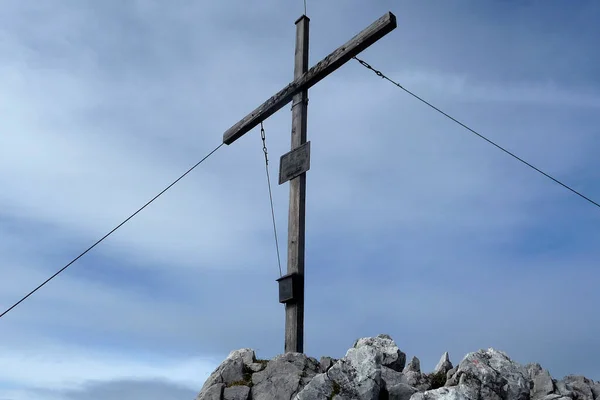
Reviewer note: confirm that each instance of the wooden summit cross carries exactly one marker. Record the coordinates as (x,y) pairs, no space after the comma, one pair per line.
(295,163)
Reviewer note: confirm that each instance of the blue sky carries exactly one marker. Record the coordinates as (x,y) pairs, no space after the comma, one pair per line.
(415,227)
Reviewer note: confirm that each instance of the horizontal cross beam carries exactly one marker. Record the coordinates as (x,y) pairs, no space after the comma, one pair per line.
(339,57)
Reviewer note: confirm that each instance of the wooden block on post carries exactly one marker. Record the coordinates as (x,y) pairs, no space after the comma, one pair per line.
(289,288)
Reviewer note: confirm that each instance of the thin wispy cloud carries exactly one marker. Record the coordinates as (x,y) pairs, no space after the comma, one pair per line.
(415,227)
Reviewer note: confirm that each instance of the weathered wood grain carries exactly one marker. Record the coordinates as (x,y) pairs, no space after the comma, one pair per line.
(294,312)
(339,57)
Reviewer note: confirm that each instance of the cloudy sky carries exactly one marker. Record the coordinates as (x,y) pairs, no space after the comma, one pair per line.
(415,227)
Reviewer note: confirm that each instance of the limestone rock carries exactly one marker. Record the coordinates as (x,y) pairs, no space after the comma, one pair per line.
(450,393)
(233,370)
(320,388)
(413,366)
(390,378)
(401,391)
(284,376)
(256,367)
(418,380)
(213,392)
(450,374)
(326,363)
(439,376)
(489,375)
(392,357)
(359,373)
(236,393)
(557,397)
(357,376)
(444,365)
(596,390)
(374,369)
(541,381)
(579,387)
(563,389)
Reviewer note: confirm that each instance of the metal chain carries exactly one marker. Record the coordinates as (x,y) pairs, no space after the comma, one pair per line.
(378,73)
(264,141)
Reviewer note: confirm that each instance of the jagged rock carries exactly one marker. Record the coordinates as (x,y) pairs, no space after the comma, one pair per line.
(563,389)
(439,376)
(320,388)
(256,367)
(359,373)
(392,357)
(214,392)
(236,393)
(401,391)
(541,381)
(557,397)
(326,363)
(418,380)
(579,386)
(247,355)
(284,377)
(596,390)
(489,375)
(450,374)
(390,378)
(449,393)
(444,365)
(371,371)
(357,376)
(414,365)
(233,370)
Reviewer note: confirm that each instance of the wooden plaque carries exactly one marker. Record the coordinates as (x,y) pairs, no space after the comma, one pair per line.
(294,163)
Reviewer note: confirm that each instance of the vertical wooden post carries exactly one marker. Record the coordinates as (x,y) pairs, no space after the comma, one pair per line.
(294,312)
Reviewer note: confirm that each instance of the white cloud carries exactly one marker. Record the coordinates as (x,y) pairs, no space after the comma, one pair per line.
(462,88)
(397,197)
(61,367)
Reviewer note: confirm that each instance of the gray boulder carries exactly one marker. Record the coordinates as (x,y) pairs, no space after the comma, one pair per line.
(236,393)
(541,381)
(320,388)
(358,375)
(213,392)
(392,357)
(450,374)
(375,369)
(285,376)
(414,365)
(488,374)
(439,376)
(233,371)
(390,378)
(401,391)
(444,365)
(418,380)
(326,363)
(241,377)
(577,387)
(462,392)
(596,390)
(413,377)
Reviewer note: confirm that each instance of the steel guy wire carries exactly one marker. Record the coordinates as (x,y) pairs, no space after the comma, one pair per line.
(110,233)
(380,74)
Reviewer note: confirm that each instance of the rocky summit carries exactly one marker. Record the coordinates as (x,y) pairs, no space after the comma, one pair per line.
(376,369)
